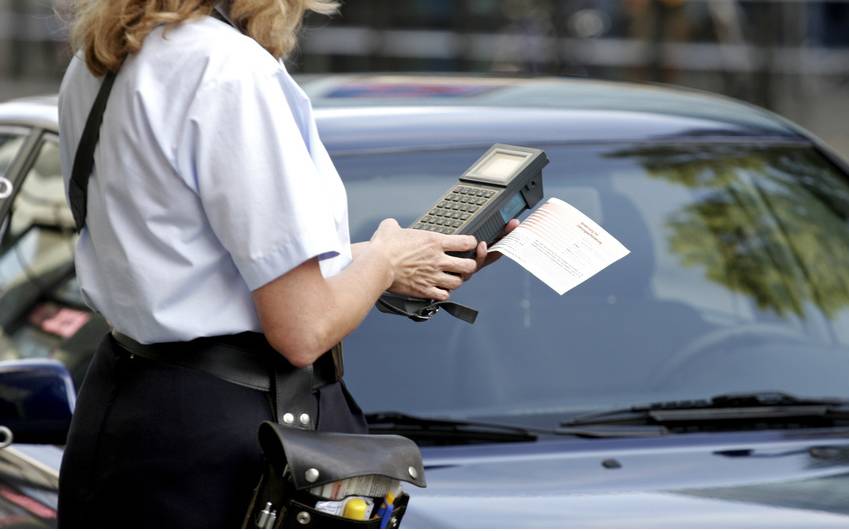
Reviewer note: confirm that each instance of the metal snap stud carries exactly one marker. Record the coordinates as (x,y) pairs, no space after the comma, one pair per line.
(288,418)
(393,522)
(303,518)
(413,472)
(311,475)
(305,419)
(6,436)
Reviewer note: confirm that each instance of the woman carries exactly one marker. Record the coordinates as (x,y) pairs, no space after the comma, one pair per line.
(214,212)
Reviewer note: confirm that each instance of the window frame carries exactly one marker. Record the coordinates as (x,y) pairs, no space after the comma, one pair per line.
(20,131)
(23,163)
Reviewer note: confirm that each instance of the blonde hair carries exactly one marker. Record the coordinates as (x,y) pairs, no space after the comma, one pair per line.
(107,31)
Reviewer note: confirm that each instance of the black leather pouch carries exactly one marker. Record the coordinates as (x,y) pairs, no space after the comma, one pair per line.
(297,461)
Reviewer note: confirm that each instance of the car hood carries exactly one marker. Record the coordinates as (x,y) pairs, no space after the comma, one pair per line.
(775,479)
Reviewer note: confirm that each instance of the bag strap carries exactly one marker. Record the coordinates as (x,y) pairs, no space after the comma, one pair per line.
(295,405)
(84,158)
(420,310)
(220,12)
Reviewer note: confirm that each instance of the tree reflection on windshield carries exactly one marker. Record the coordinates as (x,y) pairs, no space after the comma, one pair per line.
(769,222)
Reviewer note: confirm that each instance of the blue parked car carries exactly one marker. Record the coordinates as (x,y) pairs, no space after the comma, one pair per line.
(702,381)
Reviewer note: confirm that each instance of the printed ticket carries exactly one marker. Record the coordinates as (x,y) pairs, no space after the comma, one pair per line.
(561,246)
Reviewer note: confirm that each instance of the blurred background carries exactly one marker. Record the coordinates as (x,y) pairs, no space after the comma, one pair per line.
(791,56)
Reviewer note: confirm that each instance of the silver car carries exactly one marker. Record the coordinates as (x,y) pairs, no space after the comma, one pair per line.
(701,381)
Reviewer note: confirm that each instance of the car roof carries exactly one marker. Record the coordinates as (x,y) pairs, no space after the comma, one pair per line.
(404,128)
(358,113)
(404,111)
(39,111)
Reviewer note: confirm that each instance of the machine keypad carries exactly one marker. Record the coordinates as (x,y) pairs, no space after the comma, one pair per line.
(455,209)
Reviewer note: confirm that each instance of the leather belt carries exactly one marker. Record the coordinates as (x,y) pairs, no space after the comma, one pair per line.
(245,359)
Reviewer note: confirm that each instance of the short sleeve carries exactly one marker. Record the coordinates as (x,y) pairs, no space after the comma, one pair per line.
(243,153)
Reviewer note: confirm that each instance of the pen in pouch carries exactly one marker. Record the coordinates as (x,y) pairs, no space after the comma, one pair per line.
(385,512)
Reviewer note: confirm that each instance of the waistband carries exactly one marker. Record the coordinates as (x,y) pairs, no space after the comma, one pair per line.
(245,359)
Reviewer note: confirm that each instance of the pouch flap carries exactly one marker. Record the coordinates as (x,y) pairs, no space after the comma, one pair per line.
(316,458)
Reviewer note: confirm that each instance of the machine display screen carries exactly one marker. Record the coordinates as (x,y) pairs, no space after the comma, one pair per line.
(513,207)
(500,167)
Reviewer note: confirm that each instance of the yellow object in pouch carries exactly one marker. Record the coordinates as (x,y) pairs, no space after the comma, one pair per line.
(356,509)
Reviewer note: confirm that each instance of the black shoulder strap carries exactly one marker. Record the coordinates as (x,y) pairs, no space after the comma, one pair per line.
(220,12)
(84,158)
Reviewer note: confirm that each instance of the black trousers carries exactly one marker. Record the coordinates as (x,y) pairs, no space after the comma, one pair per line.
(154,445)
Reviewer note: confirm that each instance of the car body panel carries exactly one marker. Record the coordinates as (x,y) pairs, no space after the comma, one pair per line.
(792,478)
(375,112)
(762,479)
(774,479)
(387,128)
(549,93)
(648,111)
(34,112)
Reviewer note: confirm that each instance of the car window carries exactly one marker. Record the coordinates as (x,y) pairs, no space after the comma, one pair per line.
(41,311)
(41,198)
(737,281)
(11,142)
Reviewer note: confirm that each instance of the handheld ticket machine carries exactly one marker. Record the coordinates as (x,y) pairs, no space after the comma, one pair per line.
(503,183)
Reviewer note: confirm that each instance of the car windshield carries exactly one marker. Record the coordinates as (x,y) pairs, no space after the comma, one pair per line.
(737,281)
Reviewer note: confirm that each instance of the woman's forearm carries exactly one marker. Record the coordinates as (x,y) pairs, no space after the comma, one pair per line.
(303,314)
(358,248)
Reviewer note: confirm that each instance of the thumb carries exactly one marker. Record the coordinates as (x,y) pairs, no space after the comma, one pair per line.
(390,223)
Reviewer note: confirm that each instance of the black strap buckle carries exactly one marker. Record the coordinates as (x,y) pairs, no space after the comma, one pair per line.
(420,310)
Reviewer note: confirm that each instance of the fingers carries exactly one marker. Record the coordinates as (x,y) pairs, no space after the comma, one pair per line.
(512,224)
(436,294)
(480,254)
(461,266)
(459,243)
(448,282)
(390,222)
(386,228)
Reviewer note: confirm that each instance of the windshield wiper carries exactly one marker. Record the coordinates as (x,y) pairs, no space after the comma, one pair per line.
(438,431)
(732,411)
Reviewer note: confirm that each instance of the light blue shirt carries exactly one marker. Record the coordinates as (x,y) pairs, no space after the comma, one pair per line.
(210,181)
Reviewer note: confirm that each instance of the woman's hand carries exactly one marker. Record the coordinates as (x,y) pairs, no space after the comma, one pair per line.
(303,314)
(419,263)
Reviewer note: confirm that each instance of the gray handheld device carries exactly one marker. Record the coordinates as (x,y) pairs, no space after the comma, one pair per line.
(503,183)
